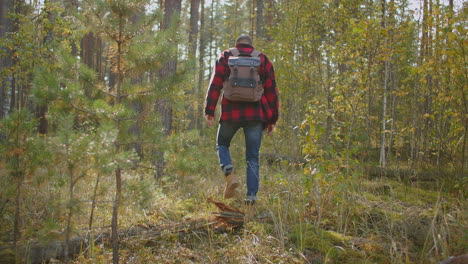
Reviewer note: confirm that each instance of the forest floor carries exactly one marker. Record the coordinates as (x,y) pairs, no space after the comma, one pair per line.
(355,220)
(299,218)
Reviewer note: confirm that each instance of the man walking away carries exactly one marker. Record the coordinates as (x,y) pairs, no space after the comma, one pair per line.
(250,101)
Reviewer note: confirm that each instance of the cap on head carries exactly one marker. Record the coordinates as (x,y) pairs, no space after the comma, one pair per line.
(244,39)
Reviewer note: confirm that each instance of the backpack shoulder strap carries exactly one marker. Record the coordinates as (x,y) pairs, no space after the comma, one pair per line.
(255,53)
(235,52)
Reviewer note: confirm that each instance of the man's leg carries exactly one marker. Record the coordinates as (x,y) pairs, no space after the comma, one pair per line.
(226,132)
(253,139)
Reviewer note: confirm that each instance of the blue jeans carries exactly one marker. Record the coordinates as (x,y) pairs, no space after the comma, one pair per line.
(253,139)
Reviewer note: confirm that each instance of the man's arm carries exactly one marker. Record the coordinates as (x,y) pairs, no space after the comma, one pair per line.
(271,94)
(214,89)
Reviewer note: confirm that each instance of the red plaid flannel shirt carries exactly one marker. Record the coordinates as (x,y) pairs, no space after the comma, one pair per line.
(266,110)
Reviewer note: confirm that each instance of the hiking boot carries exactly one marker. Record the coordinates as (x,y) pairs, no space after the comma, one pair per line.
(250,199)
(231,184)
(249,202)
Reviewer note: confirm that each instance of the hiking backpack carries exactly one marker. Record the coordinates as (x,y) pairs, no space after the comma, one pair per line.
(244,83)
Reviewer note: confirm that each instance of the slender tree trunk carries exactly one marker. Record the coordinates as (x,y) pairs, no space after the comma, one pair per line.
(417,124)
(252,19)
(137,104)
(16,226)
(193,38)
(201,65)
(19,177)
(12,6)
(72,7)
(15,92)
(118,171)
(329,124)
(383,160)
(41,110)
(348,142)
(438,82)
(260,20)
(115,216)
(391,78)
(194,19)
(270,14)
(211,52)
(464,160)
(70,212)
(172,10)
(427,107)
(418,109)
(392,122)
(370,84)
(87,48)
(101,64)
(6,26)
(91,217)
(236,14)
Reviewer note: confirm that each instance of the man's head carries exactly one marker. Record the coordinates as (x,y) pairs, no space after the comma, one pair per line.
(244,39)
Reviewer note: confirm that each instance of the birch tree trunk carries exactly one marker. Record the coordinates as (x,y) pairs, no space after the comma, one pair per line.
(211,32)
(383,160)
(391,78)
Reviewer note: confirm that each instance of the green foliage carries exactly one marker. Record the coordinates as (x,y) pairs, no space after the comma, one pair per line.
(189,155)
(140,192)
(23,151)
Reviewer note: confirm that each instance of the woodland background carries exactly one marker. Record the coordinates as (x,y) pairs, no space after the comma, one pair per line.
(102,130)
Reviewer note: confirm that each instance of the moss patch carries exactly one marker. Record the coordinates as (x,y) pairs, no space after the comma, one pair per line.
(331,245)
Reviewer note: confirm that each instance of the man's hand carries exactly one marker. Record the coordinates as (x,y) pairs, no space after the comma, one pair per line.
(209,120)
(270,129)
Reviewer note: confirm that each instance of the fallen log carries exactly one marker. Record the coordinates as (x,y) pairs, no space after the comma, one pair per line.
(227,218)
